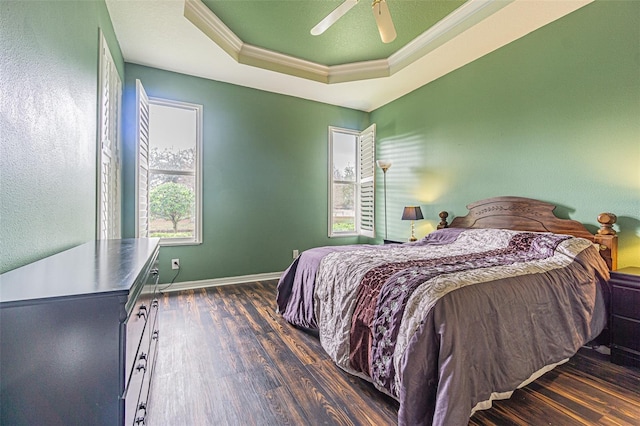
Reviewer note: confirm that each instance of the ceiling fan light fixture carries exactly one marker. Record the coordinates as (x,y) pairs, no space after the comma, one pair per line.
(384,21)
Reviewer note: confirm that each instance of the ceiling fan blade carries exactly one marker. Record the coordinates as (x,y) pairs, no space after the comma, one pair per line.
(384,21)
(331,18)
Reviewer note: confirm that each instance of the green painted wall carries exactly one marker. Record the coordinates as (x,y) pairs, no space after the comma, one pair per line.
(48,100)
(554,116)
(264,178)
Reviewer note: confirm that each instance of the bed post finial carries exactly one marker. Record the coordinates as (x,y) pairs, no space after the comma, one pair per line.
(443,220)
(606,221)
(607,239)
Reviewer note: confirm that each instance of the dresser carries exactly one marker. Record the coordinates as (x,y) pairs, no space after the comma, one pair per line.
(625,316)
(78,335)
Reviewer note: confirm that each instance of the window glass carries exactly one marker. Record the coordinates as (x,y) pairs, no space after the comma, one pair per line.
(172,204)
(172,138)
(344,208)
(344,158)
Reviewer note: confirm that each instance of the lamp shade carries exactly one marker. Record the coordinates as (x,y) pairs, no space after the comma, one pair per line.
(412,213)
(384,165)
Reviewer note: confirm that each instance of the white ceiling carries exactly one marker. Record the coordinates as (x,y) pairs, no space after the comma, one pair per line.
(155,33)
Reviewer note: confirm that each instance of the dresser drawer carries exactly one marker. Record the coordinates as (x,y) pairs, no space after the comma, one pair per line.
(140,417)
(135,328)
(622,357)
(625,302)
(138,319)
(141,366)
(137,391)
(625,332)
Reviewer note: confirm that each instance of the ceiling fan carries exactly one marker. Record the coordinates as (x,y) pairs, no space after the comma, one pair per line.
(380,12)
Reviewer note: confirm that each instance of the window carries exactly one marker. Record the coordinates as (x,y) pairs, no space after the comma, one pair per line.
(108,190)
(351,182)
(169,170)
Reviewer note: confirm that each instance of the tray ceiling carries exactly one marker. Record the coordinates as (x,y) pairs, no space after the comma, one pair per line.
(266,44)
(284,26)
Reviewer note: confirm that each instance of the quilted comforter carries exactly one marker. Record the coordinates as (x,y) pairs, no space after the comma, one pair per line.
(448,323)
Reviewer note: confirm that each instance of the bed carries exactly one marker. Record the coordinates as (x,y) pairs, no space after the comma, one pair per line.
(466,315)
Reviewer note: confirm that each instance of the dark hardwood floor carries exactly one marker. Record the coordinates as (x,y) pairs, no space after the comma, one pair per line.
(226,358)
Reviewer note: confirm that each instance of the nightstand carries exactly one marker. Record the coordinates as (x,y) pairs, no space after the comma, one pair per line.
(393,242)
(625,316)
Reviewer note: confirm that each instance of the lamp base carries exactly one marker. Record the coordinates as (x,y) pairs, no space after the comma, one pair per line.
(413,236)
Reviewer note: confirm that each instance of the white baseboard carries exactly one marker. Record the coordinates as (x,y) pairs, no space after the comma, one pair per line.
(190,285)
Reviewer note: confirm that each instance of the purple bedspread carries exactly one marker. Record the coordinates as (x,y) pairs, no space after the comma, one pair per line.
(448,322)
(297,284)
(298,281)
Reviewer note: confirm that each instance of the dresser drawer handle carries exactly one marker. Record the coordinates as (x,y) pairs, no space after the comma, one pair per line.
(155,334)
(142,311)
(141,366)
(142,419)
(155,303)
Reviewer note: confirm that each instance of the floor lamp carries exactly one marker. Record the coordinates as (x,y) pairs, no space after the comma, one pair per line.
(384,165)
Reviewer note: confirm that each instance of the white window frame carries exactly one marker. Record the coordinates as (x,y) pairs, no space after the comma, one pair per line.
(143,171)
(108,188)
(364,185)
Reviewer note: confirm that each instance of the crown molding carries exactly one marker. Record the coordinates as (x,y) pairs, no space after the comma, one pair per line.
(359,71)
(279,62)
(458,21)
(206,21)
(452,25)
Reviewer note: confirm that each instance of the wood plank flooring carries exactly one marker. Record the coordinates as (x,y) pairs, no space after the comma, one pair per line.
(226,358)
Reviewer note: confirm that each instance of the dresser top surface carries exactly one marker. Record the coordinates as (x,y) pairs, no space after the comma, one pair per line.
(104,266)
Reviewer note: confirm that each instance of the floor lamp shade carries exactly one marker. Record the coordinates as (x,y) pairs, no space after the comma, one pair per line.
(384,164)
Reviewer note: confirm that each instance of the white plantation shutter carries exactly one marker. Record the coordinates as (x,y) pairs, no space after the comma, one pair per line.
(366,178)
(142,169)
(108,191)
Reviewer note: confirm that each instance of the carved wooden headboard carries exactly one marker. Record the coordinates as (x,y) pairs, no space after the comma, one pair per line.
(526,214)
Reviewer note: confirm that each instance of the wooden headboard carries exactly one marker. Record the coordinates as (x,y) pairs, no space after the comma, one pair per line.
(526,214)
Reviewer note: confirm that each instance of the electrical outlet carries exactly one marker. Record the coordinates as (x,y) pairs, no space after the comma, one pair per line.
(295,254)
(175,263)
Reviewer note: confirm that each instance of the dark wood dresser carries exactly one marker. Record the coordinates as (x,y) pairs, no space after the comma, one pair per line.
(78,335)
(625,316)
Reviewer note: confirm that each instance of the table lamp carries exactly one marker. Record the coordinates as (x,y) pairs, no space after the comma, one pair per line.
(412,213)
